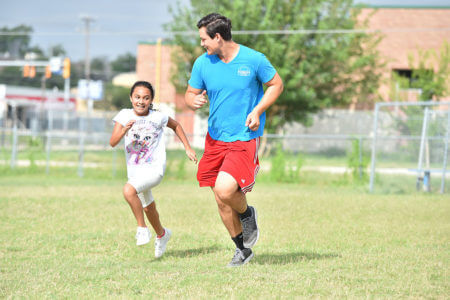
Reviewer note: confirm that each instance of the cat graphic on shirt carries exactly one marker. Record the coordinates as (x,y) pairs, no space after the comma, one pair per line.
(143,143)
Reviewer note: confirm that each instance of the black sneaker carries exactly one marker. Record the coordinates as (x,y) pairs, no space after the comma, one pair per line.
(250,229)
(241,257)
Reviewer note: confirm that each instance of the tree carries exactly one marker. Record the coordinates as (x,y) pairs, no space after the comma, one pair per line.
(431,72)
(319,70)
(57,50)
(100,69)
(16,43)
(116,97)
(124,63)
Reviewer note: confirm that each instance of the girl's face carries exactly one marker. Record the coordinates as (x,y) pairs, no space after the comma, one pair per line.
(141,100)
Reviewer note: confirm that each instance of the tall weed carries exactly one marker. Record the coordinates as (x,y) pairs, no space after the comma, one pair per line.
(357,162)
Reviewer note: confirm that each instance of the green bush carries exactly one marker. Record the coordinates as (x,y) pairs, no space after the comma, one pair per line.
(357,164)
(181,171)
(278,169)
(282,169)
(35,146)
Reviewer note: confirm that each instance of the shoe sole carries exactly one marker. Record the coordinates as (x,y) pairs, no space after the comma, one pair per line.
(250,245)
(149,238)
(245,261)
(143,243)
(170,236)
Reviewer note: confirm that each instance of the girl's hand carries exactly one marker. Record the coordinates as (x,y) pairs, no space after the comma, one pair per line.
(191,154)
(128,125)
(119,131)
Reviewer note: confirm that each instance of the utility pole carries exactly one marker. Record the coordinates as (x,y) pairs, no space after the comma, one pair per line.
(158,73)
(87,63)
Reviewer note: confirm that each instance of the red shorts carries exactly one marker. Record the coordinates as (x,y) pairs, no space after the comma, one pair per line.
(239,159)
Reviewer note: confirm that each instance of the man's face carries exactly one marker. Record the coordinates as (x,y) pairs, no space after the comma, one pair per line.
(210,44)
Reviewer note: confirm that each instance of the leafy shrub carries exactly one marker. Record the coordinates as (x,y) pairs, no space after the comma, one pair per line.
(284,171)
(357,161)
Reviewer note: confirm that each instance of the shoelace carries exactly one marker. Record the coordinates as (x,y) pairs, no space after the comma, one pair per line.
(238,254)
(140,233)
(247,221)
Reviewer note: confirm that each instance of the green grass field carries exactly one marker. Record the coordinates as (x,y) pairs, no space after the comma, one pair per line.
(66,237)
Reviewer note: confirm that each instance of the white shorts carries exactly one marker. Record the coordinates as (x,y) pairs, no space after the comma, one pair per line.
(143,186)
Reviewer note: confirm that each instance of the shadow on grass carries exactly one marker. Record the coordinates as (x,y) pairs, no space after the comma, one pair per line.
(286,258)
(193,251)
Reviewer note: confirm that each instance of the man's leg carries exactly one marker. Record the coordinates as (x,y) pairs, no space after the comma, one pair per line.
(229,217)
(230,201)
(227,191)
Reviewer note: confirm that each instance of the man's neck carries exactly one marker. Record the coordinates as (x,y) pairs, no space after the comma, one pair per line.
(228,51)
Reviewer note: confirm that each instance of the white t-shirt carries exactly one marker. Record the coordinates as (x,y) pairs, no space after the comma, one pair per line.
(144,143)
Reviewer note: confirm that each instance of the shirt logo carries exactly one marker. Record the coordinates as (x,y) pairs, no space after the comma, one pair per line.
(244,71)
(243,180)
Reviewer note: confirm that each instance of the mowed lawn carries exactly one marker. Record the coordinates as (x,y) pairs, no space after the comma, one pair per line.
(74,238)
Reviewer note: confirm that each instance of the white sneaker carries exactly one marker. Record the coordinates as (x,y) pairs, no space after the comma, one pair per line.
(143,236)
(161,243)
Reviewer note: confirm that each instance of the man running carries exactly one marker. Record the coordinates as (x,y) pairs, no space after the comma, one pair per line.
(232,76)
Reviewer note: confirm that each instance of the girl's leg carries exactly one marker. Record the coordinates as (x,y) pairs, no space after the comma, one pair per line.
(163,234)
(147,201)
(153,218)
(133,200)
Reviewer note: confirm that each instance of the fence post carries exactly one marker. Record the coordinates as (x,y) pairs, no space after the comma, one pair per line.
(14,142)
(49,139)
(374,147)
(360,157)
(114,162)
(3,127)
(66,104)
(422,146)
(444,166)
(81,147)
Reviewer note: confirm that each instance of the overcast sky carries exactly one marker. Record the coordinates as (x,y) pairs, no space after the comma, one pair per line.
(119,24)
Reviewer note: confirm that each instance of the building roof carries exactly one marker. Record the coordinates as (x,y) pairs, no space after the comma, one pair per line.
(409,6)
(30,96)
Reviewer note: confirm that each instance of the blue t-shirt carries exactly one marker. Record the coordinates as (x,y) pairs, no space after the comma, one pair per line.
(233,89)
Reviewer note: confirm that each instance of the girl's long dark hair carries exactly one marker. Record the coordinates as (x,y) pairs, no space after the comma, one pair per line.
(145,84)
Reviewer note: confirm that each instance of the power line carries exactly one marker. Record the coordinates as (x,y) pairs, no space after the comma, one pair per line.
(235,32)
(338,31)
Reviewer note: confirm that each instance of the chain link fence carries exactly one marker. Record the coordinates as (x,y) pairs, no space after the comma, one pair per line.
(339,144)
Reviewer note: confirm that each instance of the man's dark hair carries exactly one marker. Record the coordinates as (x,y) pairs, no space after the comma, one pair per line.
(216,23)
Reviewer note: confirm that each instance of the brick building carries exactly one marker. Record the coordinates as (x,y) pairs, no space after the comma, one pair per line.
(158,73)
(405,31)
